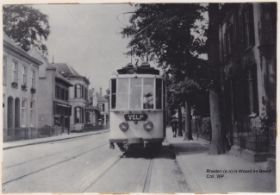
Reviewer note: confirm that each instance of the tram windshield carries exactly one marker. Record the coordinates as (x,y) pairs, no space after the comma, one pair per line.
(148,93)
(122,94)
(136,93)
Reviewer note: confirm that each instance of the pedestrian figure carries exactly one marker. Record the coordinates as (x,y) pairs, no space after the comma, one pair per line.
(196,119)
(174,124)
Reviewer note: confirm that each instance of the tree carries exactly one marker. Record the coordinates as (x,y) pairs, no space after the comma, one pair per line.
(163,33)
(26,26)
(217,142)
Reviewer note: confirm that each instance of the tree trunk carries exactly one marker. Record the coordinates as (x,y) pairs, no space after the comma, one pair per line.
(180,133)
(217,142)
(188,121)
(217,138)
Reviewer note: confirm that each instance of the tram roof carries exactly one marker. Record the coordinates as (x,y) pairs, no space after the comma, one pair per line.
(145,68)
(135,76)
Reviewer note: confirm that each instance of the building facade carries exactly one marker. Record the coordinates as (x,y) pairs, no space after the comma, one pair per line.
(54,109)
(94,111)
(103,107)
(247,41)
(20,92)
(78,97)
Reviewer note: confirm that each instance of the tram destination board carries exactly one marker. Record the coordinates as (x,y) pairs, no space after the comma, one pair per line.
(135,116)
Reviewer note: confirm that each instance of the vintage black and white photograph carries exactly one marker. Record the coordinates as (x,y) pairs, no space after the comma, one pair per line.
(139,97)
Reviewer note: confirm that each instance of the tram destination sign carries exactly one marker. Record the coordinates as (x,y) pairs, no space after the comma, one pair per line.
(135,116)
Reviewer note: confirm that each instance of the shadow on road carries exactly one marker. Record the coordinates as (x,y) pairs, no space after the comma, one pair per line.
(150,153)
(189,148)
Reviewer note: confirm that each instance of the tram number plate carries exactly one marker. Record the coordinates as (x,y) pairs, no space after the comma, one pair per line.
(135,116)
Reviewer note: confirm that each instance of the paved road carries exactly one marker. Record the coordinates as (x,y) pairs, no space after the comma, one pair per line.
(86,164)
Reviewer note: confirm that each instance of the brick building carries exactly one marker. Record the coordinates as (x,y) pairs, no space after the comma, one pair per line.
(54,109)
(247,42)
(78,96)
(103,107)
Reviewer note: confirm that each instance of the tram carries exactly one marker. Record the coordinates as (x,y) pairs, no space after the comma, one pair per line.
(137,107)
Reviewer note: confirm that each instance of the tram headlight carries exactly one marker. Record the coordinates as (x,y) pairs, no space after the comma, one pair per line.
(148,126)
(124,126)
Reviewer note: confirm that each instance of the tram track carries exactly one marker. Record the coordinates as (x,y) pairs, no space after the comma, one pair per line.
(78,147)
(41,157)
(147,181)
(90,180)
(115,172)
(93,178)
(67,159)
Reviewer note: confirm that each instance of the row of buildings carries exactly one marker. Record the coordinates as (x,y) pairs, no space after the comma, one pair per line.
(247,58)
(44,99)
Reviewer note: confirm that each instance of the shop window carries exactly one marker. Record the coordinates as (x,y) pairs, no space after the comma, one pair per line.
(78,114)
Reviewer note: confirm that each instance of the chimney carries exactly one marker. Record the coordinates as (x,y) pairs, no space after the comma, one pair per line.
(100,91)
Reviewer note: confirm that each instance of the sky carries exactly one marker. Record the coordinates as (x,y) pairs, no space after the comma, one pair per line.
(87,37)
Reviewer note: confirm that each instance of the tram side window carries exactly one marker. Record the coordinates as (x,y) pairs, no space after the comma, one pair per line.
(135,93)
(122,93)
(113,91)
(158,93)
(148,93)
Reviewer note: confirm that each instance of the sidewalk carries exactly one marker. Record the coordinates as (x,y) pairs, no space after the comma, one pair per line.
(218,173)
(64,136)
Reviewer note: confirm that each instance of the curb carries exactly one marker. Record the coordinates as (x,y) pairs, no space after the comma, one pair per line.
(193,183)
(54,140)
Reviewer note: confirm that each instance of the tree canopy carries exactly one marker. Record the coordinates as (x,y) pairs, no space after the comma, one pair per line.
(27,26)
(164,33)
